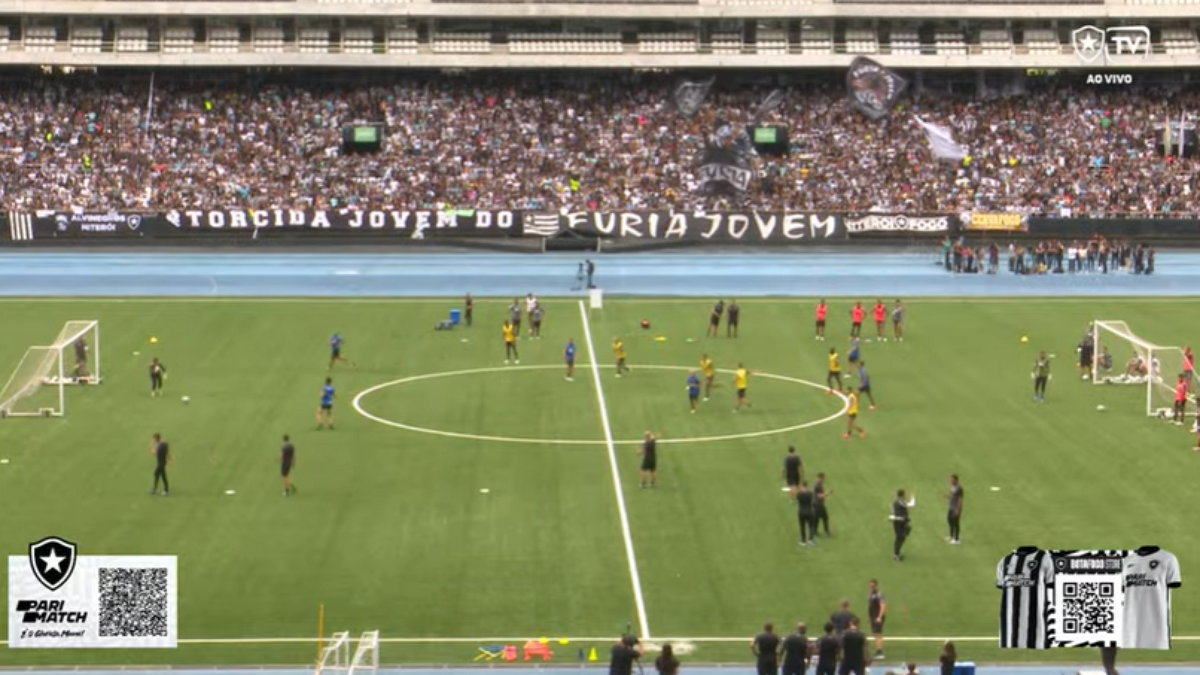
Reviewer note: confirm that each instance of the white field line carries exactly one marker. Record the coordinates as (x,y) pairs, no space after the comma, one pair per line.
(745,639)
(626,534)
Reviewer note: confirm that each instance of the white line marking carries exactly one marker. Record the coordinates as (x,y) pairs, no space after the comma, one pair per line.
(521,640)
(358,407)
(635,578)
(346,273)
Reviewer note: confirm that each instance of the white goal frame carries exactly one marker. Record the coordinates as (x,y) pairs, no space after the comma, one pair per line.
(335,657)
(47,366)
(366,657)
(1154,356)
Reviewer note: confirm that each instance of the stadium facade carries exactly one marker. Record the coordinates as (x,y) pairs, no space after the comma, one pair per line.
(649,34)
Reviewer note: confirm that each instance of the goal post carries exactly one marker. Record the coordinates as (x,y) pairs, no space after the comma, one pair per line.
(37,386)
(335,658)
(366,657)
(1120,356)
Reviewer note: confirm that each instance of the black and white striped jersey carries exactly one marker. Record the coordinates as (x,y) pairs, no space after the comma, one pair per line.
(1025,579)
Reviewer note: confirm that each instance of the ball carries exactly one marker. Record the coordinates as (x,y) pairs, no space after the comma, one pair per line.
(1024,339)
(186,399)
(646,323)
(153,340)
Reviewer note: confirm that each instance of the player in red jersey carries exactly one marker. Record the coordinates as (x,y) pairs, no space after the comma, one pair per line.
(856,319)
(822,310)
(880,315)
(1181,399)
(1189,367)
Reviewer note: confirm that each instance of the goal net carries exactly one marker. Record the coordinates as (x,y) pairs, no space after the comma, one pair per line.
(1121,357)
(37,387)
(335,657)
(366,657)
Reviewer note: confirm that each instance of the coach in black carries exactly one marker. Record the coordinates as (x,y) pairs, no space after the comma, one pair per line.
(766,650)
(901,525)
(624,654)
(795,651)
(854,651)
(287,461)
(877,613)
(162,457)
(820,493)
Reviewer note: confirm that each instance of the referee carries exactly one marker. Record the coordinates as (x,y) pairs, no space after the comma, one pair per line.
(162,457)
(901,524)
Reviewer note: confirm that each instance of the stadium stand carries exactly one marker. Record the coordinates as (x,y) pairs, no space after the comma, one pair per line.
(862,41)
(518,140)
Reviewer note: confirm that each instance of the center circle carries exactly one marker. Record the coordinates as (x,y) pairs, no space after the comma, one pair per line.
(358,407)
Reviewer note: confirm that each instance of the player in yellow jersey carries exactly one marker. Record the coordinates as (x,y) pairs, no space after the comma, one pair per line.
(510,343)
(835,373)
(741,378)
(619,353)
(852,416)
(710,373)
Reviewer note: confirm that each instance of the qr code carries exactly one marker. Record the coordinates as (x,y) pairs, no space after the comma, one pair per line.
(1087,608)
(133,602)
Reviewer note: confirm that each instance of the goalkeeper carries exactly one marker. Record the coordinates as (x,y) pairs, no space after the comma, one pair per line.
(1040,375)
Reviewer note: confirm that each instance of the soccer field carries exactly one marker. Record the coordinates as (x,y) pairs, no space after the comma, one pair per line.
(392,530)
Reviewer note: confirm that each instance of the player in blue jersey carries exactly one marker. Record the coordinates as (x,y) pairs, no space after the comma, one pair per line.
(864,383)
(693,389)
(852,357)
(569,357)
(335,351)
(325,412)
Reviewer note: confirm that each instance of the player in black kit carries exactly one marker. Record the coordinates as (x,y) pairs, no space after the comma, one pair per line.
(854,651)
(827,652)
(901,525)
(162,457)
(158,373)
(714,319)
(793,471)
(806,505)
(649,453)
(820,493)
(287,461)
(795,651)
(766,650)
(731,323)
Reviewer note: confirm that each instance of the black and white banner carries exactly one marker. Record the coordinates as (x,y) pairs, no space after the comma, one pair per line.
(723,172)
(417,224)
(748,226)
(900,223)
(20,226)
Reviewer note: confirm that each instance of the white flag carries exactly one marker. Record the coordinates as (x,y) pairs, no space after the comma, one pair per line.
(942,142)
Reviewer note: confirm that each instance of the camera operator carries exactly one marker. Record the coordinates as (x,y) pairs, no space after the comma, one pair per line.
(627,651)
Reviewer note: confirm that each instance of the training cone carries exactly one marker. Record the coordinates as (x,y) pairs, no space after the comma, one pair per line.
(592,655)
(1024,339)
(153,340)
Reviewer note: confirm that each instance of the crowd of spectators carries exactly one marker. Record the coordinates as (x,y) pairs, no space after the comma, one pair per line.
(552,141)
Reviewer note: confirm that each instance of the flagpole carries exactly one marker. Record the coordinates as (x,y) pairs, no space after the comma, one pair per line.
(1182,135)
(150,112)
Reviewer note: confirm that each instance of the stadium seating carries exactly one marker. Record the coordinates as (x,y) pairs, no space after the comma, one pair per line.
(771,41)
(862,41)
(224,40)
(40,38)
(1042,41)
(358,40)
(904,42)
(268,39)
(995,41)
(462,43)
(133,39)
(86,39)
(683,42)
(565,43)
(402,40)
(815,40)
(313,41)
(1179,41)
(726,44)
(950,42)
(179,40)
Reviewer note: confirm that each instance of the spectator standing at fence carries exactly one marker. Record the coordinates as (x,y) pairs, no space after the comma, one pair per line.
(766,650)
(589,269)
(666,663)
(948,658)
(627,651)
(468,309)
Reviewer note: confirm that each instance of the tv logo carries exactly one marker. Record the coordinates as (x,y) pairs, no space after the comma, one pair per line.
(1092,43)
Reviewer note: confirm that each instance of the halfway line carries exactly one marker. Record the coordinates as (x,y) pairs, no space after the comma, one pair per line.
(634,577)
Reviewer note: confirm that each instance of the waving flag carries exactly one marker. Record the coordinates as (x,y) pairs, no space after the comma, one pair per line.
(773,101)
(941,141)
(689,96)
(873,88)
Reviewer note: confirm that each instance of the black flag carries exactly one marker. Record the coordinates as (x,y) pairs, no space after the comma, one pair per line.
(873,88)
(723,171)
(689,96)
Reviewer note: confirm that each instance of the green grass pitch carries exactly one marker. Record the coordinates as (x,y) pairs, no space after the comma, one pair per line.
(390,529)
